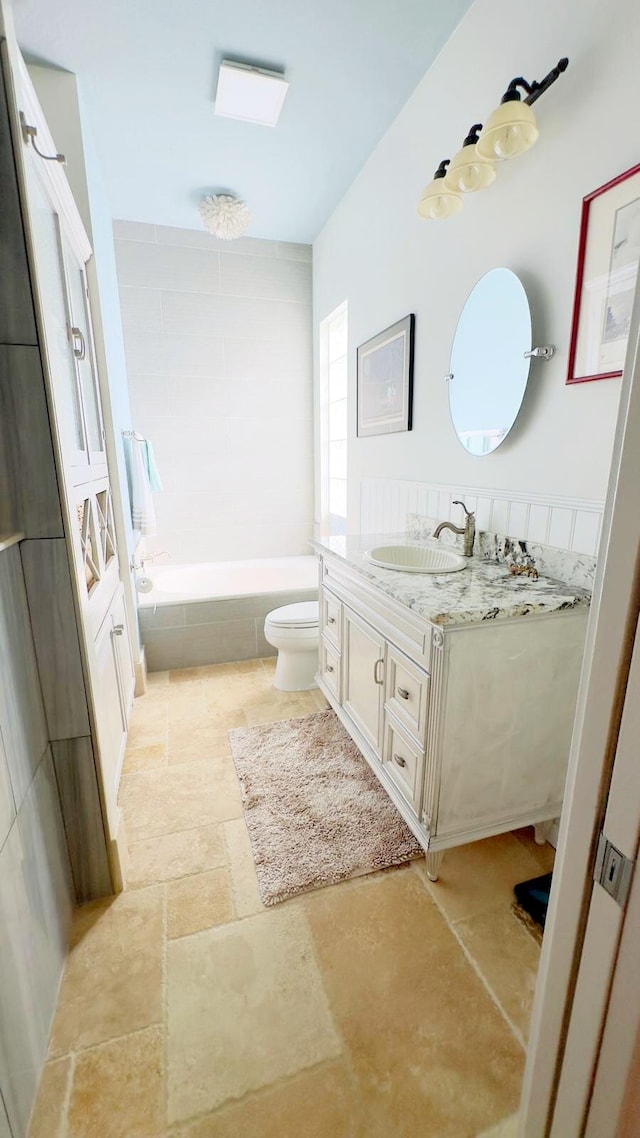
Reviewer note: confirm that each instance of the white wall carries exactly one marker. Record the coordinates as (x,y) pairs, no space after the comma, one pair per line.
(376,252)
(218,344)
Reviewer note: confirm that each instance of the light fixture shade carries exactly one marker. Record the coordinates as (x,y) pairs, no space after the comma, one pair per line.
(439,201)
(510,130)
(469,171)
(225,216)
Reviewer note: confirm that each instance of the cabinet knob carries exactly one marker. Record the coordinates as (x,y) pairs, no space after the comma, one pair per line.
(403,693)
(331,620)
(399,760)
(117,630)
(330,668)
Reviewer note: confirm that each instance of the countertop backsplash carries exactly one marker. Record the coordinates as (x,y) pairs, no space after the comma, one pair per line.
(560,564)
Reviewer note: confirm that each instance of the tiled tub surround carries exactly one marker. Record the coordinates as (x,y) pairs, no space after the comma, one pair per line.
(199,615)
(188,1010)
(484,590)
(218,341)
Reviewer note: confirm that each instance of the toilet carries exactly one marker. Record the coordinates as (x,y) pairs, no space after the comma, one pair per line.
(294,631)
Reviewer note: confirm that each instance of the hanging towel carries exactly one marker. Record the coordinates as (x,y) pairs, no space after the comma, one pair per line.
(151,465)
(143,514)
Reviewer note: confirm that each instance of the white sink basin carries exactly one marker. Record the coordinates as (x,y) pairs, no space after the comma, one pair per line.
(416,559)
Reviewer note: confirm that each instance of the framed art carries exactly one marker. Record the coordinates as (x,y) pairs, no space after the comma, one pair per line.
(385,380)
(608,256)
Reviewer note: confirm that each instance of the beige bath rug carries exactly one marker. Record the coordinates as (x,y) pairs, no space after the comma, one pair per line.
(315,811)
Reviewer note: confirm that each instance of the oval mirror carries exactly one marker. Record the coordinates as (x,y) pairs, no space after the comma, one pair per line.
(489,371)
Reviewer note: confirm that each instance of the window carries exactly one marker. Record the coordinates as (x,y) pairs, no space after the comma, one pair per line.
(333,422)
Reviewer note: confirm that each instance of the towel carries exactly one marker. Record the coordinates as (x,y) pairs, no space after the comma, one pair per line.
(151,465)
(143,514)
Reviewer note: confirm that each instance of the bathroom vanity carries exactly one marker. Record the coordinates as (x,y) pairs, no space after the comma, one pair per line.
(459,689)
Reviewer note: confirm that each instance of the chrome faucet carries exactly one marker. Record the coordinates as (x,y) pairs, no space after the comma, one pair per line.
(468,530)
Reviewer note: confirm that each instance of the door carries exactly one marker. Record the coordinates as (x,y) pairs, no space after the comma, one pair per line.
(582,938)
(363,677)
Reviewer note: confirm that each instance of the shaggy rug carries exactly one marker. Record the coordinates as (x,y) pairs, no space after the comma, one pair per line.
(316,813)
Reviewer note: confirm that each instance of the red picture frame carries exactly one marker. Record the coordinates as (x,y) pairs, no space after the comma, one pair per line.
(606,273)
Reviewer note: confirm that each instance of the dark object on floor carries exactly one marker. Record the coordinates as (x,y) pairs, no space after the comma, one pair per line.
(533,897)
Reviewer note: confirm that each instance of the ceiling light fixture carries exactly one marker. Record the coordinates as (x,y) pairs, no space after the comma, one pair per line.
(250,93)
(510,130)
(225,216)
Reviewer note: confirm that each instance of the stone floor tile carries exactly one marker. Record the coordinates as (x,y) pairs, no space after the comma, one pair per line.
(477,877)
(182,797)
(508,957)
(244,882)
(144,758)
(544,855)
(112,983)
(172,856)
(157,679)
(48,1113)
(118,1089)
(319,1103)
(194,732)
(199,902)
(214,746)
(432,1053)
(268,1019)
(281,705)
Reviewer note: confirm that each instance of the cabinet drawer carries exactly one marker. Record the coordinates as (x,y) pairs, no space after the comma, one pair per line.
(407,692)
(404,762)
(330,667)
(331,618)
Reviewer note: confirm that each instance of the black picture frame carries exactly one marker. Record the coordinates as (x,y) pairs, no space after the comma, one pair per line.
(385,380)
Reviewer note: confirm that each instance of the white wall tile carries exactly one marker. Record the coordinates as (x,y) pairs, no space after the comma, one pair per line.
(586,532)
(141,309)
(560,528)
(539,518)
(202,314)
(483,513)
(265,277)
(153,353)
(201,239)
(294,252)
(134,231)
(166,266)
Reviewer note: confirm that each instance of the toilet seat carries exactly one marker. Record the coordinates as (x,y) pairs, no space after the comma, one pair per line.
(303,614)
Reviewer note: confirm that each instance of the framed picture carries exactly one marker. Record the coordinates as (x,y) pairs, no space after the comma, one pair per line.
(385,380)
(608,256)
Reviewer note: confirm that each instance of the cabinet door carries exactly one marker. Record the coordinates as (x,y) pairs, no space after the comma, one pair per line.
(363,677)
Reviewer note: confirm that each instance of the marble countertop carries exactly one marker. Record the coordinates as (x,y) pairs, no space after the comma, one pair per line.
(485,590)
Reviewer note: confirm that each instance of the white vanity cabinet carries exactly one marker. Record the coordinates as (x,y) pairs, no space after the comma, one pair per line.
(467,725)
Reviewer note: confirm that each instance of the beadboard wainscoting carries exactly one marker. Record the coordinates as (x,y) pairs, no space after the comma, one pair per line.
(564,523)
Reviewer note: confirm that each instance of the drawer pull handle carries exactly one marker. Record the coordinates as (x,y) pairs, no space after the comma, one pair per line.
(399,760)
(331,620)
(78,344)
(403,693)
(378,679)
(330,668)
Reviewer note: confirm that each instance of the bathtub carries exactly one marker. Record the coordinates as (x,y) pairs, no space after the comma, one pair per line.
(214,612)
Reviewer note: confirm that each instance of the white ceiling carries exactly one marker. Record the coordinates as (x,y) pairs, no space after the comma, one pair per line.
(148,72)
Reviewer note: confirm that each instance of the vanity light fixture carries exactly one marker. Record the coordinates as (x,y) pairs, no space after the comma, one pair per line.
(439,200)
(512,127)
(510,130)
(468,170)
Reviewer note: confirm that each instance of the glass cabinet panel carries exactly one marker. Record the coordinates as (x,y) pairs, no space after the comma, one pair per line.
(57,320)
(82,344)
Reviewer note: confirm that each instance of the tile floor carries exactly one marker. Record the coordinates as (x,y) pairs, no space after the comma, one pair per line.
(385,1007)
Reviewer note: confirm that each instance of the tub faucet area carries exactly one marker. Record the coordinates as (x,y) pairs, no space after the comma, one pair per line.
(468,531)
